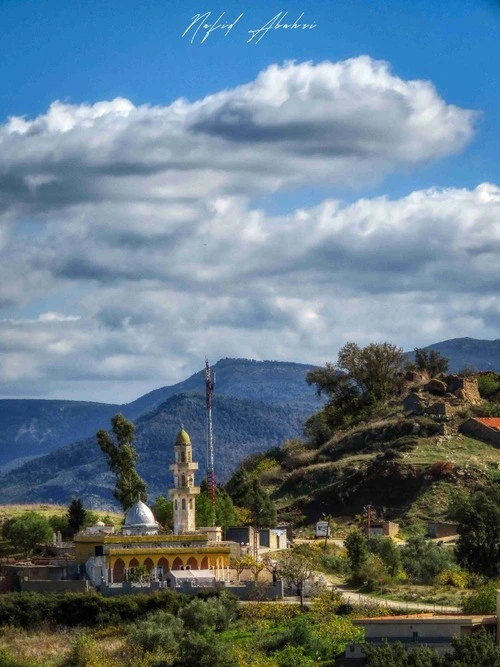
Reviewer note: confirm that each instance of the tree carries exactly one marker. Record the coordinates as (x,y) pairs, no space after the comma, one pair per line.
(122,458)
(386,549)
(483,601)
(423,560)
(430,361)
(478,547)
(27,531)
(59,524)
(163,510)
(205,514)
(263,512)
(477,649)
(246,491)
(357,549)
(248,562)
(374,368)
(294,568)
(76,515)
(396,655)
(361,379)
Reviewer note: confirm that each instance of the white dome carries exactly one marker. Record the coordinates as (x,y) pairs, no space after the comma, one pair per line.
(140,515)
(101,524)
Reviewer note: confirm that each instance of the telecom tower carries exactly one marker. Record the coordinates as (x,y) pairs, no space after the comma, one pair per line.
(210,436)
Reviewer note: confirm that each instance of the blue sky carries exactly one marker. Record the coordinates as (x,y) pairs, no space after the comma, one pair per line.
(195,217)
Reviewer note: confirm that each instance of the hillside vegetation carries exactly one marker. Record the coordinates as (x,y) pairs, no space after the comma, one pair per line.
(405,462)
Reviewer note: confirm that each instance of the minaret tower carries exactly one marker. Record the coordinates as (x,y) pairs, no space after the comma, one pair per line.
(184,491)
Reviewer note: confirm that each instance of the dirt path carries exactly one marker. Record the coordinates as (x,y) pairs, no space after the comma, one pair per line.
(355,597)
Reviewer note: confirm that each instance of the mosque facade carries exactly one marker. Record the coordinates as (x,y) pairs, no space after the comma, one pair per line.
(109,557)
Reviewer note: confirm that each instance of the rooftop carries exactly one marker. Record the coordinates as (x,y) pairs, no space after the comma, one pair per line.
(465,619)
(492,422)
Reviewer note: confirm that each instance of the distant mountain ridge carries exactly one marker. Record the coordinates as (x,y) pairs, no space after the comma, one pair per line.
(480,355)
(34,427)
(241,428)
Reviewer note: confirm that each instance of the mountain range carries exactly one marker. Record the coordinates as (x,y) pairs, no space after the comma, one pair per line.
(48,451)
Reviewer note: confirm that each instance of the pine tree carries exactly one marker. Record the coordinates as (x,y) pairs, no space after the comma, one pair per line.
(76,515)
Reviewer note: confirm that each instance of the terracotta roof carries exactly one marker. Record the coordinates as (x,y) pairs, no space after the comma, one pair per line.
(492,422)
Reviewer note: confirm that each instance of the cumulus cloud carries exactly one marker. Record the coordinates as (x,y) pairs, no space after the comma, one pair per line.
(143,252)
(345,123)
(242,283)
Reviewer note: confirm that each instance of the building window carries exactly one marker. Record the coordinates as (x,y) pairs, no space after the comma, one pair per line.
(190,503)
(183,503)
(175,504)
(183,457)
(415,636)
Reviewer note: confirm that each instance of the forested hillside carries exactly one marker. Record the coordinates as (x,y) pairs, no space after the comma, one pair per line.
(30,428)
(241,428)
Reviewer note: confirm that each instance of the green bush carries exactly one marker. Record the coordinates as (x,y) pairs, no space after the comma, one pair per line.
(211,614)
(157,630)
(488,384)
(83,609)
(204,650)
(423,560)
(483,601)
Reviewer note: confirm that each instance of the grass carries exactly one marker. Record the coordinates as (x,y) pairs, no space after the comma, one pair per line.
(45,647)
(447,596)
(458,449)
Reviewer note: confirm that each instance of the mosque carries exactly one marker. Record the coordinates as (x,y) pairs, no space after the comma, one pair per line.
(187,554)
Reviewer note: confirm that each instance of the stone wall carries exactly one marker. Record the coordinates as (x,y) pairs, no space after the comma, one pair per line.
(62,586)
(480,431)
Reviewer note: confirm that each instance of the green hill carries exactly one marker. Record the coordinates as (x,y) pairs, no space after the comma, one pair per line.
(407,466)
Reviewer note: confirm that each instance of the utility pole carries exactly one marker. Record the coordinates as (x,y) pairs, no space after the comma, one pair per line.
(209,384)
(368,509)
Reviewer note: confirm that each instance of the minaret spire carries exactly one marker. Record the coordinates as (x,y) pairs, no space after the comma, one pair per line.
(184,491)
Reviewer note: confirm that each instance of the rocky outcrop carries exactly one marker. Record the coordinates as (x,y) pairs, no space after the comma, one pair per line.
(435,386)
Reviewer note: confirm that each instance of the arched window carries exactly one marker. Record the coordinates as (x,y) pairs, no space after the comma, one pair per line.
(183,457)
(183,480)
(175,504)
(190,503)
(183,503)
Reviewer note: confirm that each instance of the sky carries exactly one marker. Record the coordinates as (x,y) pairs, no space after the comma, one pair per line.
(267,180)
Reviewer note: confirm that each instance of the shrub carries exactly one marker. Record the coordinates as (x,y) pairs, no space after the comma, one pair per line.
(268,611)
(212,614)
(204,650)
(441,469)
(488,384)
(85,609)
(423,560)
(452,577)
(483,601)
(158,630)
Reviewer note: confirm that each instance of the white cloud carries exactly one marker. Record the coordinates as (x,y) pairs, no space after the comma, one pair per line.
(148,230)
(346,123)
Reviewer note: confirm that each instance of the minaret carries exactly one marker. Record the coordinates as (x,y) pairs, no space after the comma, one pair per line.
(184,489)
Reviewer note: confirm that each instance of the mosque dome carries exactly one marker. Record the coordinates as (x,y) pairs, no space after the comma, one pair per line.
(183,438)
(100,524)
(140,520)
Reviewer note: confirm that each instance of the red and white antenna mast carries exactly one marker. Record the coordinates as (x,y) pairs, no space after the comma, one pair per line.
(210,436)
